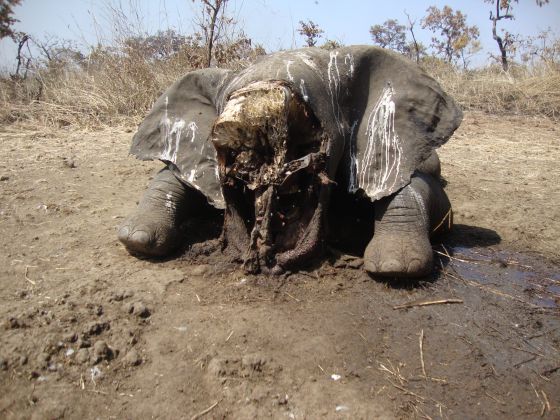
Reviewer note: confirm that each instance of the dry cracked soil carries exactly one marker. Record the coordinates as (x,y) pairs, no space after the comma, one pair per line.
(88,331)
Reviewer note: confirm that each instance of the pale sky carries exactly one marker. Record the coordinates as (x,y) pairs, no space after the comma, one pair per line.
(271,23)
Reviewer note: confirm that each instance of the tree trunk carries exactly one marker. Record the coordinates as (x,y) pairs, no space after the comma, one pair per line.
(495,19)
(411,29)
(499,41)
(210,42)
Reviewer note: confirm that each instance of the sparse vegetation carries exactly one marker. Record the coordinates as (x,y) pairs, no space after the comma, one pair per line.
(55,83)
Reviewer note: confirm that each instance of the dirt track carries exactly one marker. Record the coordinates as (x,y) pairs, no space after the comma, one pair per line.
(89,331)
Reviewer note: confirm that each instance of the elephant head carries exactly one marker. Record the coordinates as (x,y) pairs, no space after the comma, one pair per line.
(272,156)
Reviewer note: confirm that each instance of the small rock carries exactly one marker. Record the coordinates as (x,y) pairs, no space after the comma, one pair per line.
(22,360)
(139,309)
(82,356)
(71,337)
(120,296)
(43,359)
(132,358)
(355,263)
(4,178)
(13,323)
(83,343)
(199,270)
(3,364)
(69,162)
(101,351)
(96,328)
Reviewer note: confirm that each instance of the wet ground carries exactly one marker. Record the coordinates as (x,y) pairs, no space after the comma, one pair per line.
(530,279)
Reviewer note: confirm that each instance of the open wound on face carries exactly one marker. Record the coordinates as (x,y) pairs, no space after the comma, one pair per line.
(272,160)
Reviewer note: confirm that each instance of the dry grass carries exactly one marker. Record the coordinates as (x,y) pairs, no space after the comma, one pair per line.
(118,86)
(108,87)
(521,91)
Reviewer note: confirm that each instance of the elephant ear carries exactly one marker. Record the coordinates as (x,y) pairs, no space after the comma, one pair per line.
(401,115)
(177,131)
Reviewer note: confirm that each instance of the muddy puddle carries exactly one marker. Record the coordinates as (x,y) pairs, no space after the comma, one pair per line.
(525,278)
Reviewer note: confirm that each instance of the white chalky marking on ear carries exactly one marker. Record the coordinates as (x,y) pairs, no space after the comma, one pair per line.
(308,61)
(303,90)
(171,138)
(171,133)
(334,88)
(349,61)
(382,157)
(354,163)
(193,127)
(288,64)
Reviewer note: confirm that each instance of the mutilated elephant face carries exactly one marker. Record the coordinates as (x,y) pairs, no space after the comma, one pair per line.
(272,159)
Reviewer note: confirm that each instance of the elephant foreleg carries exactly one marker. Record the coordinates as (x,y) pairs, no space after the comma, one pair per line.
(153,230)
(404,223)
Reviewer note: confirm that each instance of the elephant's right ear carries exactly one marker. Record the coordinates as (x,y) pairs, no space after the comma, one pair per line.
(178,127)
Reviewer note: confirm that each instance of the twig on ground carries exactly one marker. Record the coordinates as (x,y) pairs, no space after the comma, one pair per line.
(293,297)
(204,412)
(395,372)
(524,361)
(534,353)
(454,258)
(543,411)
(229,336)
(27,278)
(427,303)
(421,342)
(495,399)
(545,400)
(407,391)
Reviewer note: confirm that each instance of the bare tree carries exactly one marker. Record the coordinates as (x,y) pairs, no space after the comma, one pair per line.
(22,40)
(410,27)
(502,11)
(311,31)
(211,23)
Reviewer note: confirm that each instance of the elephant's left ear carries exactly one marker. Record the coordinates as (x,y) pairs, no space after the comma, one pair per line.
(401,115)
(177,131)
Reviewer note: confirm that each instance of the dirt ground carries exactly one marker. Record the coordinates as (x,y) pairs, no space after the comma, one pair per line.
(87,331)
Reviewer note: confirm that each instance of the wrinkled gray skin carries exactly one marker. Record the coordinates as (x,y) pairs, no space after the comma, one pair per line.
(270,143)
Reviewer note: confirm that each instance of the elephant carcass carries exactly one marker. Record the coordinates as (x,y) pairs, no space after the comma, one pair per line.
(268,143)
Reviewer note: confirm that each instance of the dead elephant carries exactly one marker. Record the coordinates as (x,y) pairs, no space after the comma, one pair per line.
(272,144)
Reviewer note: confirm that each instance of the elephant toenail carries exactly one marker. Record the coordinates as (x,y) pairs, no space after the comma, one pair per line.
(140,237)
(123,233)
(391,266)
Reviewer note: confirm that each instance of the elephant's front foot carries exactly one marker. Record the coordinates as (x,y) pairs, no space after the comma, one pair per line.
(399,254)
(154,229)
(403,223)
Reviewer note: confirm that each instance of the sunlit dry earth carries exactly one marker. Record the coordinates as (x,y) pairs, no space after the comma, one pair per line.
(89,331)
